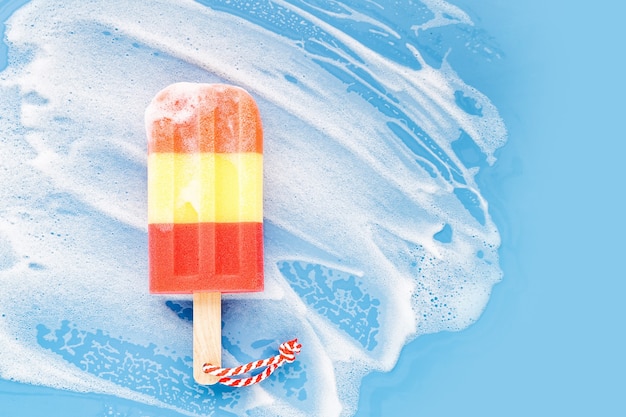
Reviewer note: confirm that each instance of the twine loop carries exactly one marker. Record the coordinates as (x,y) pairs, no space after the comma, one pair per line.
(287,354)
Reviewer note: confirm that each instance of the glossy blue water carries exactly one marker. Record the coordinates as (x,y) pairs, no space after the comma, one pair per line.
(549,342)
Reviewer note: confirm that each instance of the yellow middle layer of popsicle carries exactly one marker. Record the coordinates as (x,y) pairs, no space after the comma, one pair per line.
(205,187)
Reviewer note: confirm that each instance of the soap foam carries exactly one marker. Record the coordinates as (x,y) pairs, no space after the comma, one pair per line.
(360,175)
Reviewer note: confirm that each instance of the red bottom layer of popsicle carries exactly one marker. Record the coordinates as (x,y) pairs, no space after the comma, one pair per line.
(205,257)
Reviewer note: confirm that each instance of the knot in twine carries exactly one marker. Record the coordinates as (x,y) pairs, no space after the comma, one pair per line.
(287,354)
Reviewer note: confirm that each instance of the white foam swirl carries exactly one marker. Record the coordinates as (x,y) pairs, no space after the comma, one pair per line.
(341,192)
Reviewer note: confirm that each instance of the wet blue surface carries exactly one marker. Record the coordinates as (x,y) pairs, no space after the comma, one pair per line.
(338,296)
(550,341)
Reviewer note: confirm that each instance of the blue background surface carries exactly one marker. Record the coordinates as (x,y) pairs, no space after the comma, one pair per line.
(551,339)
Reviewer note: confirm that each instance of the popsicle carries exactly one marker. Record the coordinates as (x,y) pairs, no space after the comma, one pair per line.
(205,203)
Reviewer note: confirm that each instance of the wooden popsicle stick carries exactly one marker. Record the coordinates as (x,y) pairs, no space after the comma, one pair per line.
(207,334)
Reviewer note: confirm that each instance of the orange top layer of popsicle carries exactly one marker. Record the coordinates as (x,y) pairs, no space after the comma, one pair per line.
(222,119)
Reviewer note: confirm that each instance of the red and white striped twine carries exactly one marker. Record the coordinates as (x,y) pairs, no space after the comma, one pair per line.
(287,354)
